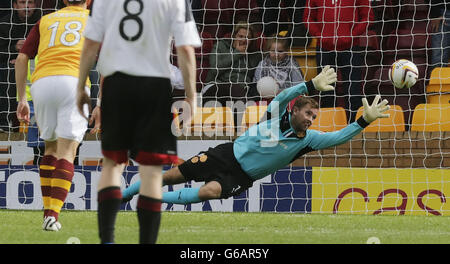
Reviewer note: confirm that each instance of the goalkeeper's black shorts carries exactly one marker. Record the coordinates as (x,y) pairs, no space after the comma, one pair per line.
(136,120)
(218,164)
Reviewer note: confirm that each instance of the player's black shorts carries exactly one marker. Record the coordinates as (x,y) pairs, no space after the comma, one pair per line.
(136,120)
(218,164)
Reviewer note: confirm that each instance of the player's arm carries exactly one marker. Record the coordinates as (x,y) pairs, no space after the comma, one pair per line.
(186,38)
(370,114)
(187,64)
(21,69)
(87,61)
(96,112)
(29,50)
(93,35)
(322,82)
(323,140)
(223,57)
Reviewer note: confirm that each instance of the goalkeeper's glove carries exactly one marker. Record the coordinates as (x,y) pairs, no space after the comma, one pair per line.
(376,110)
(323,80)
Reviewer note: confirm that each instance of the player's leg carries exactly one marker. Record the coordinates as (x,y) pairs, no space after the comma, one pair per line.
(172,176)
(45,110)
(208,191)
(149,203)
(446,38)
(115,114)
(46,169)
(223,179)
(109,198)
(62,175)
(349,63)
(325,57)
(153,146)
(44,157)
(70,129)
(131,191)
(436,47)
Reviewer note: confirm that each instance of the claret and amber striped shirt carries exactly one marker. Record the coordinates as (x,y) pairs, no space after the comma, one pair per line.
(58,39)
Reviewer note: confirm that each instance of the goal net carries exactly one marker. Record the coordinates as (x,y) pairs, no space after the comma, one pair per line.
(398,165)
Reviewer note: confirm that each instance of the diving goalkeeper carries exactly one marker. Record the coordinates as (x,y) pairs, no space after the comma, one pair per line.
(231,168)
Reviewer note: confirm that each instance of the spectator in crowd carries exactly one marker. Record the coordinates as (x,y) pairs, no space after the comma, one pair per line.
(202,54)
(232,66)
(198,11)
(284,15)
(440,38)
(279,65)
(5,8)
(49,6)
(14,29)
(338,25)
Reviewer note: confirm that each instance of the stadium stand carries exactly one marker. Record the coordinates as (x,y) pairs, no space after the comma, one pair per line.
(431,117)
(438,89)
(213,121)
(5,149)
(403,43)
(330,119)
(252,115)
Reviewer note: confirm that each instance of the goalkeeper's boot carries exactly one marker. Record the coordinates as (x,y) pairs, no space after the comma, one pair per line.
(127,199)
(50,224)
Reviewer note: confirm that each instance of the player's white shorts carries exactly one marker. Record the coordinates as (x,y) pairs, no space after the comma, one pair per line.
(57,116)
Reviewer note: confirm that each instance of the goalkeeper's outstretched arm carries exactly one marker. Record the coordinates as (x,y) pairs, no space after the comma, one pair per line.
(370,114)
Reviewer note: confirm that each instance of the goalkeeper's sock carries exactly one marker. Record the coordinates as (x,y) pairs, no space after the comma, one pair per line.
(61,182)
(182,196)
(109,200)
(149,217)
(131,191)
(46,169)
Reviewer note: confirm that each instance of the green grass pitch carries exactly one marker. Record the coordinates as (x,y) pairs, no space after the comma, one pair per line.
(24,227)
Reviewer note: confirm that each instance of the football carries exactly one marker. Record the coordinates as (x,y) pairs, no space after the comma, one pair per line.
(267,87)
(403,74)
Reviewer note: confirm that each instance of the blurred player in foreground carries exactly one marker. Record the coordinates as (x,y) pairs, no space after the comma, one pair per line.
(136,98)
(231,168)
(57,38)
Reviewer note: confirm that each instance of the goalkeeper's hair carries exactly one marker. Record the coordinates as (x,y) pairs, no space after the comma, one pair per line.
(304,100)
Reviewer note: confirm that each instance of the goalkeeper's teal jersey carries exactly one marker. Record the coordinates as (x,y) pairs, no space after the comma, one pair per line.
(273,144)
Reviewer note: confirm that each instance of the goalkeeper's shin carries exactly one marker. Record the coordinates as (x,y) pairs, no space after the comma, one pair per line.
(182,196)
(131,191)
